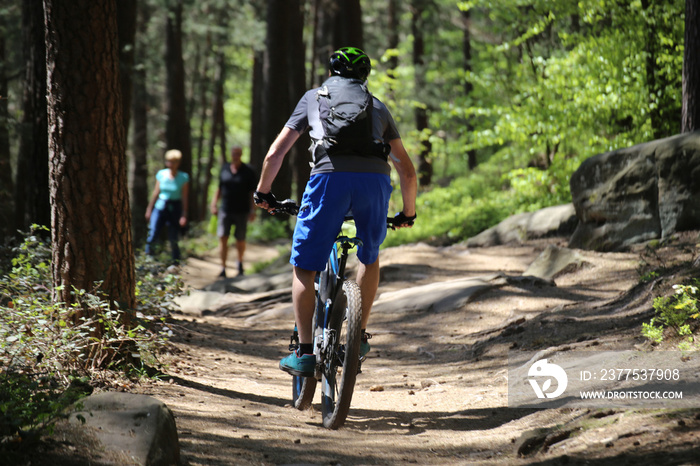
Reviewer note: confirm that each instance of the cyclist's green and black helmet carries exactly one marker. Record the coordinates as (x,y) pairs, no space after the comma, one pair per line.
(350,62)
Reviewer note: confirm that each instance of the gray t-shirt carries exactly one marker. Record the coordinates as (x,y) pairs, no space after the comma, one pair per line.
(305,116)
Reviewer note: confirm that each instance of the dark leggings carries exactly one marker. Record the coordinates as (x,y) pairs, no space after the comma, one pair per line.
(170,216)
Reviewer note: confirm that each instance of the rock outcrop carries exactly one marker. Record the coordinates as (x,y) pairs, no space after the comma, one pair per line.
(516,229)
(648,191)
(138,428)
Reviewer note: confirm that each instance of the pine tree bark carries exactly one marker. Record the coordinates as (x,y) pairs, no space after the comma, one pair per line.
(91,221)
(690,114)
(32,178)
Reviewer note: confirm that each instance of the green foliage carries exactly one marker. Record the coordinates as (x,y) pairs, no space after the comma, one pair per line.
(266,228)
(551,85)
(678,312)
(46,349)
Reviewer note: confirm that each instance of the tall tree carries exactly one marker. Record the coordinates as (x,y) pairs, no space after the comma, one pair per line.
(348,30)
(257,125)
(139,153)
(393,37)
(276,101)
(6,184)
(32,179)
(91,221)
(126,26)
(468,87)
(336,24)
(690,119)
(425,167)
(297,86)
(177,125)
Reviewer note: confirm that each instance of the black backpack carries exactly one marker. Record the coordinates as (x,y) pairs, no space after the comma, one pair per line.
(345,110)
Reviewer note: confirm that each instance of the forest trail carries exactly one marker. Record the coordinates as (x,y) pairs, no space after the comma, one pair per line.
(434,389)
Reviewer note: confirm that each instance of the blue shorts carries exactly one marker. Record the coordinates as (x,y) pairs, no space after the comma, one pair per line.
(328,198)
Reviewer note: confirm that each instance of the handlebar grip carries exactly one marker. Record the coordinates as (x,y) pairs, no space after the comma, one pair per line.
(288,206)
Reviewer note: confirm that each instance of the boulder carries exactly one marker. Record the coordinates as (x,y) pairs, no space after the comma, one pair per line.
(138,428)
(550,221)
(554,261)
(631,195)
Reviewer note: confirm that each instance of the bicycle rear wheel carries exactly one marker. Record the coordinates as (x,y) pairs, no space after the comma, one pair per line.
(303,388)
(340,370)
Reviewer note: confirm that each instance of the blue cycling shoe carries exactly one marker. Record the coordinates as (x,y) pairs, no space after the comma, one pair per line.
(301,366)
(364,345)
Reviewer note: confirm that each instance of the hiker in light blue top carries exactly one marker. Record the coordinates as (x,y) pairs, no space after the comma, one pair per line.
(168,205)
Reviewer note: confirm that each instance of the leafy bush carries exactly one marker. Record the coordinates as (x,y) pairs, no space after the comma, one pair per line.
(45,352)
(677,312)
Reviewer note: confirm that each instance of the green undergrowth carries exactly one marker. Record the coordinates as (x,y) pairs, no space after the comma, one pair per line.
(470,204)
(50,358)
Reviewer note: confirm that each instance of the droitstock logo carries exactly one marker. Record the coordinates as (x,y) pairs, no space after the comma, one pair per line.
(543,369)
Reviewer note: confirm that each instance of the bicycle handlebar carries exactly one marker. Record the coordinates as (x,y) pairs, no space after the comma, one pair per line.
(290,207)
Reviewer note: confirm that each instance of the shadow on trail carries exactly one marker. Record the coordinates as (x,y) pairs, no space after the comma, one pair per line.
(417,422)
(225,392)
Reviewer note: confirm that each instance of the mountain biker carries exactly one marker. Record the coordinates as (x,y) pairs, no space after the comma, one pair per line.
(339,184)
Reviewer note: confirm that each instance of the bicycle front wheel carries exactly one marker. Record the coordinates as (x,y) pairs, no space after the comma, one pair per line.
(340,370)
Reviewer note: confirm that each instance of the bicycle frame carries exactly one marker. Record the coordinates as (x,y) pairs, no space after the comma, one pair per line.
(337,260)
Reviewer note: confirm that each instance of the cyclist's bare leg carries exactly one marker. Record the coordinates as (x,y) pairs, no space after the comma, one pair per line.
(304,299)
(368,279)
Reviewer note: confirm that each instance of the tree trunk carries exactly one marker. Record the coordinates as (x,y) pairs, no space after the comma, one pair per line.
(139,160)
(177,126)
(348,25)
(91,221)
(276,99)
(336,24)
(325,12)
(217,126)
(6,184)
(223,151)
(198,175)
(393,34)
(297,86)
(468,88)
(126,26)
(690,119)
(32,178)
(257,140)
(425,167)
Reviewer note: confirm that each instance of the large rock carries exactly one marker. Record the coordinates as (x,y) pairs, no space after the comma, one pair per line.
(631,195)
(550,221)
(138,428)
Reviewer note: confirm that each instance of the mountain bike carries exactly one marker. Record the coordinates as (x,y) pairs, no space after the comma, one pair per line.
(336,334)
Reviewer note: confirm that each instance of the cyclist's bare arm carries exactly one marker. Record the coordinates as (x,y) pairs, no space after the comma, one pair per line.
(274,158)
(407,176)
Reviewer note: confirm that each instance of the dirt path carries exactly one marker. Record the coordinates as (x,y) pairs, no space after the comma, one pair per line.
(434,390)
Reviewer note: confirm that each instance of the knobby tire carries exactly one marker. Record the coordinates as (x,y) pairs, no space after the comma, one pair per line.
(303,388)
(338,386)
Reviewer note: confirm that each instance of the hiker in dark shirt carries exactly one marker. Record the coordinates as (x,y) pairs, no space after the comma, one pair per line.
(237,183)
